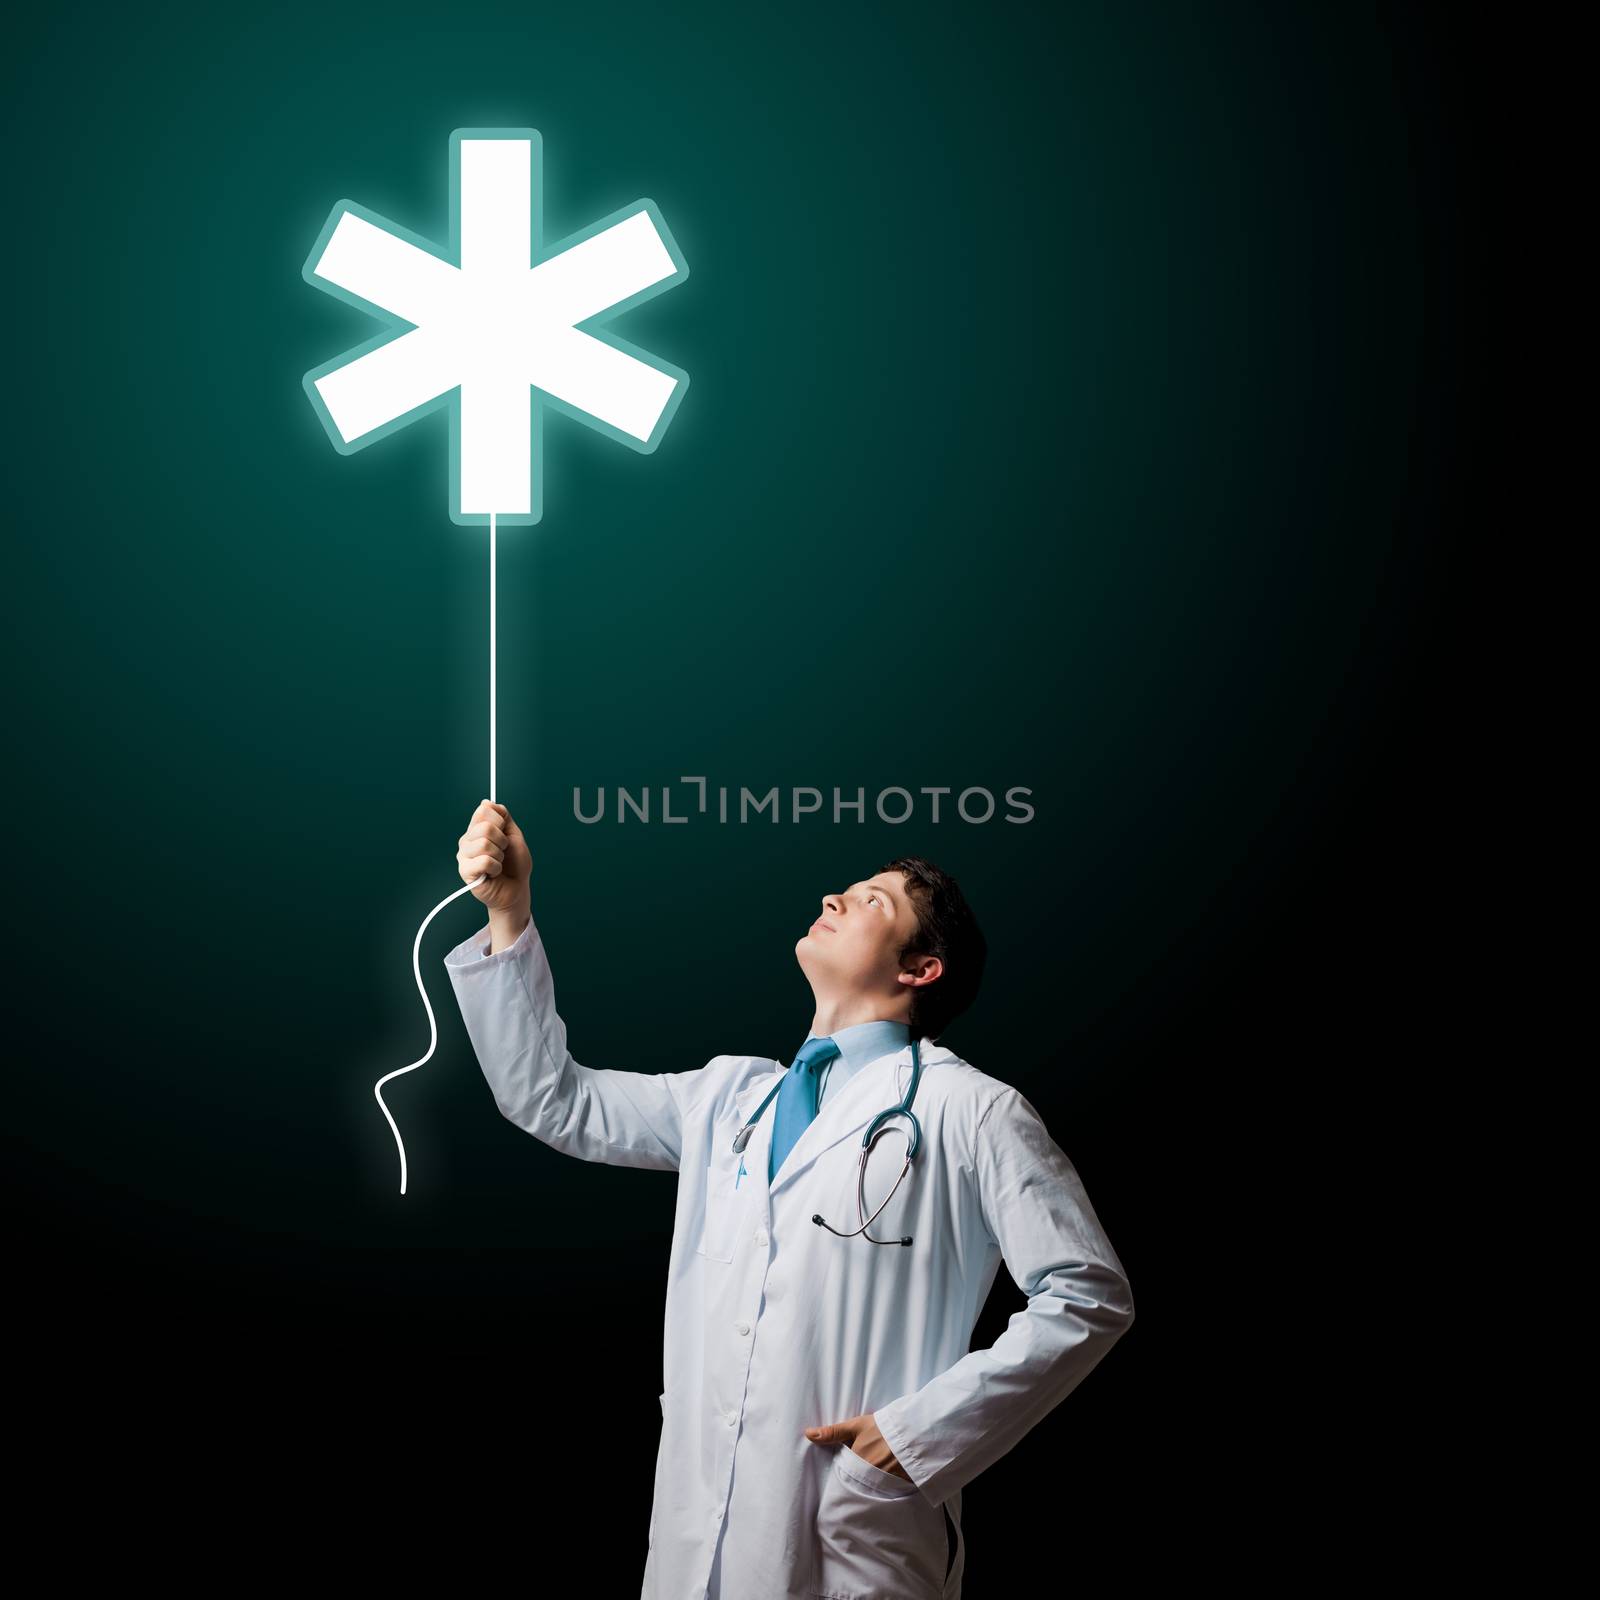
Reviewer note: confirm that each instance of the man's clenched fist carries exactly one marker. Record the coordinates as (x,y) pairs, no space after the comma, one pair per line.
(493,848)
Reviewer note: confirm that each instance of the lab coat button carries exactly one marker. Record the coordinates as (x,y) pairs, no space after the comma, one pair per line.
(743,1327)
(732,1419)
(761,1238)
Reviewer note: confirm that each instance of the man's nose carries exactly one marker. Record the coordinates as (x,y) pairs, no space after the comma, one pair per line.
(832,904)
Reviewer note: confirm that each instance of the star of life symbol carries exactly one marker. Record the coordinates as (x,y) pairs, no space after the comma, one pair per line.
(498,327)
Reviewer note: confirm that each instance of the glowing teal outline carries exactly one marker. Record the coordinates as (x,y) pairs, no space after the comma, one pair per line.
(396,326)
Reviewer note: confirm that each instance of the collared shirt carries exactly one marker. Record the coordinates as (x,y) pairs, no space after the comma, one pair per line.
(860,1045)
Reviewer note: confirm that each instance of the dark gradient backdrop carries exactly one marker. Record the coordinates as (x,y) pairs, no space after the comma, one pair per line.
(1077,397)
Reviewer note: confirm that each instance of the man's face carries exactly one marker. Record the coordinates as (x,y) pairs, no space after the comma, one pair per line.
(855,943)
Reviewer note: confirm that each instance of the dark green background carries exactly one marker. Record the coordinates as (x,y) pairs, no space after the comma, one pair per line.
(1076,398)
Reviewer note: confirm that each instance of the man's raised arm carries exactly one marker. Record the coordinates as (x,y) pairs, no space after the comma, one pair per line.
(502,982)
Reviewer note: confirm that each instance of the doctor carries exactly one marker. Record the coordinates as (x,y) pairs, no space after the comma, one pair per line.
(822,1410)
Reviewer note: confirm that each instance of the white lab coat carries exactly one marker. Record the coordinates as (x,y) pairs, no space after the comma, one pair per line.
(774,1324)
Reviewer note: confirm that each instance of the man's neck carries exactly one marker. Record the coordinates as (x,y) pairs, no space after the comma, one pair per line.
(832,1015)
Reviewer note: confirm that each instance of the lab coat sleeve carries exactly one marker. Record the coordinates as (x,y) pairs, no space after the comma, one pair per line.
(507,1000)
(1079,1304)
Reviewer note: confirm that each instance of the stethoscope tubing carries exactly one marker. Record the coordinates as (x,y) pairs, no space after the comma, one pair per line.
(874,1129)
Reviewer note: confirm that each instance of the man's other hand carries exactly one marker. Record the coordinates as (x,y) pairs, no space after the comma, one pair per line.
(861,1435)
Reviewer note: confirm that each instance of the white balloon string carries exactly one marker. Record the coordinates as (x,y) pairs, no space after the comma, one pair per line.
(416,945)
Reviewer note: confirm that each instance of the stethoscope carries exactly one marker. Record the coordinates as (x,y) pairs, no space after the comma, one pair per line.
(874,1128)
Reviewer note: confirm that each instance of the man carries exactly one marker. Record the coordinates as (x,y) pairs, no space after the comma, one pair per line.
(822,1411)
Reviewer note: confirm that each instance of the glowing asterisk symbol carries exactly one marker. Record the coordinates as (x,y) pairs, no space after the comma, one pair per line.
(497,317)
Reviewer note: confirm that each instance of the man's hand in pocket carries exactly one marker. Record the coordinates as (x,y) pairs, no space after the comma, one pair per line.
(861,1435)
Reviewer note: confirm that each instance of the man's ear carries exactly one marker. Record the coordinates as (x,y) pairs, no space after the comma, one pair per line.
(920,971)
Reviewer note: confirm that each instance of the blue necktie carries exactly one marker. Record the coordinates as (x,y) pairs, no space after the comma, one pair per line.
(797,1099)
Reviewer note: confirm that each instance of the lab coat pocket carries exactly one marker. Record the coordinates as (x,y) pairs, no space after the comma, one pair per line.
(877,1535)
(717,1225)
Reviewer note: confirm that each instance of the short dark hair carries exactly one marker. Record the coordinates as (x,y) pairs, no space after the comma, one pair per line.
(947,928)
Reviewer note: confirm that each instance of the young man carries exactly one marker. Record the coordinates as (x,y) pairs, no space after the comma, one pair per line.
(822,1411)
